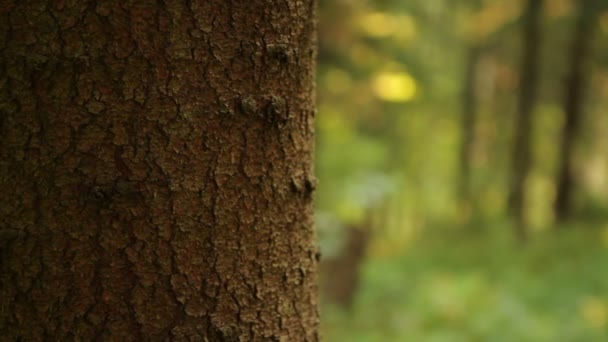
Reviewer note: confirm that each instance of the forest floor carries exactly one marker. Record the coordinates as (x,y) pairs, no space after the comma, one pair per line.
(482,287)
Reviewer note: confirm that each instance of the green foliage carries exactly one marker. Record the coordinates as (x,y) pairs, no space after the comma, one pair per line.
(390,127)
(462,287)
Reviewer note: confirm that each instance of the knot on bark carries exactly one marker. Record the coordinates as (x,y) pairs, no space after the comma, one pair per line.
(270,108)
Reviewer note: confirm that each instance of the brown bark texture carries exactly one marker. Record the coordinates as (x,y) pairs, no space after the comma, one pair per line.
(573,105)
(156,170)
(528,85)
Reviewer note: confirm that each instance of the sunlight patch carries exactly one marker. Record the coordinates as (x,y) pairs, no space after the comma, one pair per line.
(394,86)
(594,312)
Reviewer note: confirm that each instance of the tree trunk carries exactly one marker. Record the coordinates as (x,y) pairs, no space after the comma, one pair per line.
(574,97)
(156,171)
(469,119)
(341,275)
(523,124)
(344,272)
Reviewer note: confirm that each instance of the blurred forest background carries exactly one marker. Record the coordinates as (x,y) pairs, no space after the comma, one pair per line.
(462,155)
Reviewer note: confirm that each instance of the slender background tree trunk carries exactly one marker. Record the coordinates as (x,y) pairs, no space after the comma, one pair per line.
(528,84)
(469,119)
(156,171)
(574,96)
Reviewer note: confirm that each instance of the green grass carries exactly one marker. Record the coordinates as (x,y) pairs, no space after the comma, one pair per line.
(464,287)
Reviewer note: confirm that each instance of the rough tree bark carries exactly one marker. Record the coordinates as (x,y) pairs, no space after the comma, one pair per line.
(573,106)
(156,170)
(528,84)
